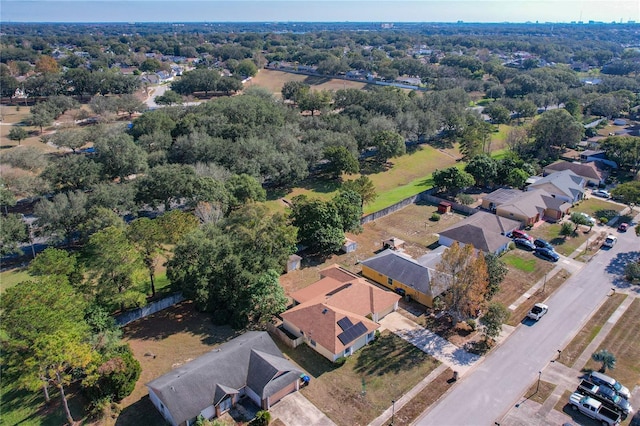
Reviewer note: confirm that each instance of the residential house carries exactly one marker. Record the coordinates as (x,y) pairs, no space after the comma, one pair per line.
(250,365)
(591,172)
(338,314)
(527,207)
(565,185)
(589,155)
(405,275)
(483,230)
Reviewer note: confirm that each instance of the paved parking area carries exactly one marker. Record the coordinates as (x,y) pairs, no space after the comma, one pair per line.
(294,410)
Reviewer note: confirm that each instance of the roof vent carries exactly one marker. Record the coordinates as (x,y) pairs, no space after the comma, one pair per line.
(325,310)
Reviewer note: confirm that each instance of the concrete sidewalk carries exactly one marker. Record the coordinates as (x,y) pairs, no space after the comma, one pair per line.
(441,349)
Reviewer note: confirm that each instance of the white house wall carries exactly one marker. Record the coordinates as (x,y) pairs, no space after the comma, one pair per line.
(161,407)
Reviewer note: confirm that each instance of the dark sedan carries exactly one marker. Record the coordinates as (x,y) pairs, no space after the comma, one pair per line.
(524,243)
(547,254)
(539,242)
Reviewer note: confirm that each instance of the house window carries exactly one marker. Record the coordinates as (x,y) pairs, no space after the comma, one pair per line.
(390,281)
(347,351)
(313,342)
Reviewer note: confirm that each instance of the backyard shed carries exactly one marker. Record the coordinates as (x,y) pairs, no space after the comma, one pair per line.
(444,207)
(293,263)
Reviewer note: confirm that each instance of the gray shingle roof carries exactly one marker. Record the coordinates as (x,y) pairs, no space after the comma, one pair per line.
(194,386)
(480,238)
(566,181)
(402,269)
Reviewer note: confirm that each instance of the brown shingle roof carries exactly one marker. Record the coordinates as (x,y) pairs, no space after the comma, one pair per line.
(587,170)
(319,322)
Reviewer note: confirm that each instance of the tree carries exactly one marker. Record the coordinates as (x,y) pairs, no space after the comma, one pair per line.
(632,270)
(13,232)
(624,150)
(116,269)
(115,376)
(43,321)
(120,156)
(46,64)
(147,237)
(390,144)
(169,98)
(451,180)
(497,314)
(41,118)
(244,189)
(62,215)
(68,138)
(150,65)
(246,68)
(498,113)
(628,193)
(56,262)
(130,104)
(349,205)
(295,90)
(497,271)
(605,358)
(483,168)
(319,224)
(462,273)
(17,134)
(580,219)
(72,172)
(313,101)
(340,161)
(555,130)
(166,183)
(566,229)
(267,297)
(176,224)
(364,187)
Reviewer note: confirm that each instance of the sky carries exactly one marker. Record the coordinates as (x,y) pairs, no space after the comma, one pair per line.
(319,11)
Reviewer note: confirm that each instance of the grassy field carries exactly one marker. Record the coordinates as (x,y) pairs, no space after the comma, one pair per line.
(274,80)
(587,333)
(12,116)
(524,271)
(623,342)
(386,370)
(11,277)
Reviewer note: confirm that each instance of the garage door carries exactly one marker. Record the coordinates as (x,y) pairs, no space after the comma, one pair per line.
(281,394)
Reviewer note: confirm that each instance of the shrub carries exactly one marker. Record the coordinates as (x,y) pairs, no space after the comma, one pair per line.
(263,418)
(472,324)
(465,199)
(435,217)
(340,361)
(604,220)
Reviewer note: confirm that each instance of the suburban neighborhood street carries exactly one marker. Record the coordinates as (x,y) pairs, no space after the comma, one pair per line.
(498,384)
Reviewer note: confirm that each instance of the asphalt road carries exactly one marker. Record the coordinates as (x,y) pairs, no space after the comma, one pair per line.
(496,385)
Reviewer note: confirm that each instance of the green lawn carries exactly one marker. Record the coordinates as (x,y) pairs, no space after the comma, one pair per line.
(12,277)
(564,246)
(525,265)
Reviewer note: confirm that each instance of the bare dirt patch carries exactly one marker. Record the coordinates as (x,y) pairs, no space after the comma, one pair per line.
(274,80)
(162,342)
(410,224)
(518,281)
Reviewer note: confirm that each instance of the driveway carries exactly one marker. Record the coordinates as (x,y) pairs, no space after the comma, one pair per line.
(444,351)
(294,409)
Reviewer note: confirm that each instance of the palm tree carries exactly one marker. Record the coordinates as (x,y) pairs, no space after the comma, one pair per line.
(605,357)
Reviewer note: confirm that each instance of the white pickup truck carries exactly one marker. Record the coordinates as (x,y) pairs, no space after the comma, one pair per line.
(593,408)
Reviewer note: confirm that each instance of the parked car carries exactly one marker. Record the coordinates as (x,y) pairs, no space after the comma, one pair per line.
(611,398)
(547,254)
(524,243)
(538,311)
(601,193)
(602,379)
(591,221)
(623,227)
(516,233)
(610,241)
(539,242)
